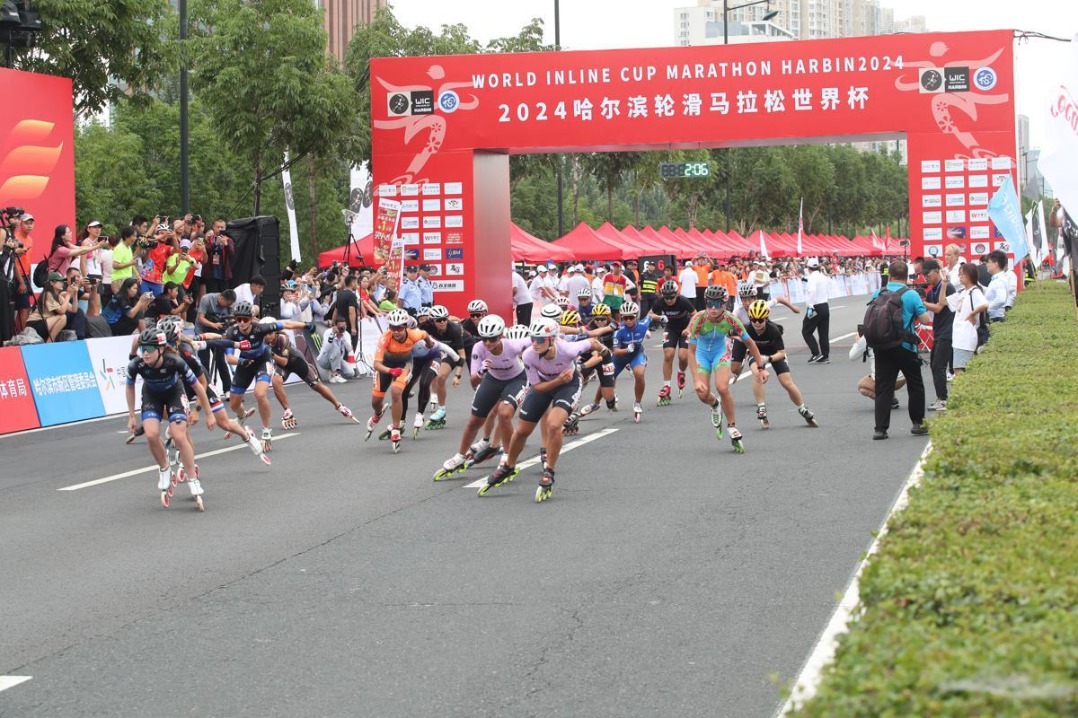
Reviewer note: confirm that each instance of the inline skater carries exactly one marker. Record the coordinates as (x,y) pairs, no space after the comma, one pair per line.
(162,372)
(477,309)
(629,350)
(447,330)
(584,305)
(288,361)
(768,338)
(392,358)
(674,311)
(426,362)
(739,352)
(599,362)
(709,357)
(554,387)
(500,382)
(252,364)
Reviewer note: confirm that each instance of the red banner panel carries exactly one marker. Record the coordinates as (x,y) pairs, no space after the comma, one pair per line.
(951,95)
(37,151)
(17,409)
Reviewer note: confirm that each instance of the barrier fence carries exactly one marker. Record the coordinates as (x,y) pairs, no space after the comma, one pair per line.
(57,383)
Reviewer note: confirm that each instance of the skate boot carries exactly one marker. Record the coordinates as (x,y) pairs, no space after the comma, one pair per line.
(136,434)
(761,416)
(735,439)
(395,437)
(637,411)
(289,420)
(454,465)
(241,417)
(256,448)
(546,486)
(588,408)
(267,440)
(542,457)
(894,403)
(196,492)
(501,475)
(437,419)
(717,419)
(433,407)
(384,436)
(680,384)
(164,484)
(571,427)
(664,397)
(808,416)
(612,405)
(416,426)
(347,413)
(480,452)
(371,423)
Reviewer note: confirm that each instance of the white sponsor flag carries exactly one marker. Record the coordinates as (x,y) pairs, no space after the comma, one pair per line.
(800,224)
(1046,244)
(290,204)
(1060,145)
(763,246)
(1031,240)
(361,201)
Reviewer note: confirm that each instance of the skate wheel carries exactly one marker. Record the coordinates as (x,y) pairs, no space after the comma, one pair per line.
(396,447)
(739,448)
(265,459)
(415,433)
(199,505)
(539,494)
(813,425)
(165,496)
(765,425)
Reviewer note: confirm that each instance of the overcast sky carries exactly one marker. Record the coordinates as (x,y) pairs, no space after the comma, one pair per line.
(609,24)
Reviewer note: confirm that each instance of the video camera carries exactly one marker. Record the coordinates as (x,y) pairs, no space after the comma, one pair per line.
(11,214)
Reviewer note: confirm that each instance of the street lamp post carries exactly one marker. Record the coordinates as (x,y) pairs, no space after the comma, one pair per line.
(557,48)
(726,11)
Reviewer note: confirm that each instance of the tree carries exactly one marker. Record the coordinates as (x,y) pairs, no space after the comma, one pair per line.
(109,50)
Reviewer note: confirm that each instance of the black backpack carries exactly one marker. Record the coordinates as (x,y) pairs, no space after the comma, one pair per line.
(884,328)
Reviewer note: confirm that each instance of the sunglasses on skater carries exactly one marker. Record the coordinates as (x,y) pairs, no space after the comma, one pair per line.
(715,305)
(243,320)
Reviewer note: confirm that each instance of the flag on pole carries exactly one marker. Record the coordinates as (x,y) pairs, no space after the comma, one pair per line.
(763,246)
(876,240)
(1046,244)
(1060,140)
(1031,238)
(361,201)
(1005,211)
(290,205)
(800,225)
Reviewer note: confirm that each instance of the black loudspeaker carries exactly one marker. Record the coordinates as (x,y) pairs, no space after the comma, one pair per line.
(258,251)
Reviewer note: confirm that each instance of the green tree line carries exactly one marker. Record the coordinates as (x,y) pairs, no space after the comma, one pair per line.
(261,84)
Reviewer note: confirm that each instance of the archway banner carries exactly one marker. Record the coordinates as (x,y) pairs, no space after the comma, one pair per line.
(444,126)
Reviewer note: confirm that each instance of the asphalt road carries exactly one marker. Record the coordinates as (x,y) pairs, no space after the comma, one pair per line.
(667,576)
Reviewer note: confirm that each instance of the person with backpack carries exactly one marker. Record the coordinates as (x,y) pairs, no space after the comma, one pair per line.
(889,323)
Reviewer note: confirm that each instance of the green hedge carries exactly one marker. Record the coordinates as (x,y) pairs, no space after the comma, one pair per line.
(971,606)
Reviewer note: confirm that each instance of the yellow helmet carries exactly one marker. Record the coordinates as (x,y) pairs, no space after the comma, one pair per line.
(570,318)
(600,310)
(759,310)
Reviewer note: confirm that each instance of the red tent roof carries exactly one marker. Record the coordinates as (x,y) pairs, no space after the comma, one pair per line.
(527,247)
(585,243)
(648,243)
(633,246)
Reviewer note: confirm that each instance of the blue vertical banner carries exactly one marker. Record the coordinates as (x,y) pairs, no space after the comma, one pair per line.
(1005,211)
(63,382)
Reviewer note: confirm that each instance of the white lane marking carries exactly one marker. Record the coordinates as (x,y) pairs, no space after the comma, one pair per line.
(568,447)
(12,681)
(844,336)
(136,472)
(841,306)
(824,650)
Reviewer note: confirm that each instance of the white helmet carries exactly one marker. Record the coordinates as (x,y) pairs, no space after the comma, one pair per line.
(563,302)
(551,311)
(745,289)
(491,326)
(584,292)
(398,318)
(517,331)
(422,312)
(267,320)
(630,308)
(477,305)
(544,328)
(439,312)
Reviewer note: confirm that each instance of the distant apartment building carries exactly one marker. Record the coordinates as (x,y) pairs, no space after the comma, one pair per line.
(341,19)
(794,20)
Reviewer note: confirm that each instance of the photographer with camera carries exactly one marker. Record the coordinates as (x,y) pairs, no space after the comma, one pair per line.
(88,301)
(90,236)
(123,258)
(19,241)
(63,249)
(215,316)
(157,252)
(125,310)
(220,253)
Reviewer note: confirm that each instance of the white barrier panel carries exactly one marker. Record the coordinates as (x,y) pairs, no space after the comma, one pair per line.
(109,357)
(370,331)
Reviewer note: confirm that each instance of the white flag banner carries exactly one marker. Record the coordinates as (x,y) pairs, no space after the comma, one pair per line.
(361,200)
(763,246)
(800,224)
(1060,145)
(1031,239)
(1046,244)
(290,204)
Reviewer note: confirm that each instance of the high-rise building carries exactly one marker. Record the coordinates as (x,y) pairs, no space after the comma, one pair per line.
(340,19)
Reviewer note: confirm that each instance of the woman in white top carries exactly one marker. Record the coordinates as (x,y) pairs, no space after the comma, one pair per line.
(967,304)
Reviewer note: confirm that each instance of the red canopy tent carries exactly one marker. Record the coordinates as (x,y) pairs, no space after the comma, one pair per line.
(361,253)
(633,246)
(584,243)
(526,247)
(649,244)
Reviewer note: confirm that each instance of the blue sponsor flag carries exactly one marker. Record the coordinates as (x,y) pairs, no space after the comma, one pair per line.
(1005,211)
